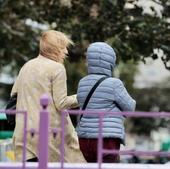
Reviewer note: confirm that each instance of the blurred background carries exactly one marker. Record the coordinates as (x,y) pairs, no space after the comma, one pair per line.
(138,30)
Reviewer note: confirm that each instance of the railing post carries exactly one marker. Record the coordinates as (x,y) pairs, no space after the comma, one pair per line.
(43,133)
(100,141)
(24,140)
(62,151)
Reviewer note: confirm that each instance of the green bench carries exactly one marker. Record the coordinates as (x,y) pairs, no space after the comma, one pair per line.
(4,134)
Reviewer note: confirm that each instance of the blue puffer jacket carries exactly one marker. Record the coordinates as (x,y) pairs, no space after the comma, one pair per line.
(101,61)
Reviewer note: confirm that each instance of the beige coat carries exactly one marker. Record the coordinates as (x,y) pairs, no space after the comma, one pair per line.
(39,76)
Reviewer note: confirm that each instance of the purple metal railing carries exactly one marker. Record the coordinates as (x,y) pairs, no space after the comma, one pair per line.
(24,113)
(101,114)
(44,134)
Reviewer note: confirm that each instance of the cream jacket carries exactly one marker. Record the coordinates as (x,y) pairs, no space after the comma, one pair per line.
(37,77)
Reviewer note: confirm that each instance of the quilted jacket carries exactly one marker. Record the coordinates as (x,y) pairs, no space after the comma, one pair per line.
(101,61)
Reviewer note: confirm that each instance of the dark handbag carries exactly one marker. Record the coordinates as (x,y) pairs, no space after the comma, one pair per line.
(11,105)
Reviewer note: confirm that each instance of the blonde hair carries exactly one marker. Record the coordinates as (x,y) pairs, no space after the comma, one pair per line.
(52,43)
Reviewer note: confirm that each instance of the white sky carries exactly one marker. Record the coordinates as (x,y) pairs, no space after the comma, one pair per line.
(154,70)
(151,73)
(146,4)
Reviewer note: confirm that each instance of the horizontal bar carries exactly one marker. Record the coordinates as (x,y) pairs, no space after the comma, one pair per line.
(140,153)
(128,114)
(8,111)
(86,166)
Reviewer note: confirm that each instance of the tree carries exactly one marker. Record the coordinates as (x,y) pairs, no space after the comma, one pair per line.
(151,99)
(133,34)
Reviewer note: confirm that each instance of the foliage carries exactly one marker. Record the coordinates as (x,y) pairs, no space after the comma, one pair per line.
(126,72)
(133,34)
(73,76)
(153,100)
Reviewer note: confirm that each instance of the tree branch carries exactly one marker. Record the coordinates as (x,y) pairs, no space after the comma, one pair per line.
(159,3)
(14,32)
(167,66)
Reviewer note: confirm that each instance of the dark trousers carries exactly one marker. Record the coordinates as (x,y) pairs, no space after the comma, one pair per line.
(89,149)
(33,160)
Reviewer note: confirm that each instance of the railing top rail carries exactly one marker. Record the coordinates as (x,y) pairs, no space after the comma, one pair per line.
(9,111)
(125,113)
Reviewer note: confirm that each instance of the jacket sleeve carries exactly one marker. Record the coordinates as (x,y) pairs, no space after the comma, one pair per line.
(59,91)
(122,97)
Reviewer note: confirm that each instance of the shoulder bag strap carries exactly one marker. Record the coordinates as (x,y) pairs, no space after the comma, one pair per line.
(91,92)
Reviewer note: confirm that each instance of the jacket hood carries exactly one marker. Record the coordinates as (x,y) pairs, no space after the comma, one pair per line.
(101,58)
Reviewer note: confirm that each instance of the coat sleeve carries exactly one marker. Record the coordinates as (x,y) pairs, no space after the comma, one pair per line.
(59,91)
(14,88)
(122,97)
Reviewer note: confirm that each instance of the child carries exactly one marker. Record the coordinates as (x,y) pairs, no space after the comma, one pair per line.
(110,95)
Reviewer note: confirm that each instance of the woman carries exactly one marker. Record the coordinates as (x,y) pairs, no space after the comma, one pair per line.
(46,74)
(110,95)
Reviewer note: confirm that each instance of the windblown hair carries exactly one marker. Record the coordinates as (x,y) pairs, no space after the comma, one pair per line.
(51,44)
